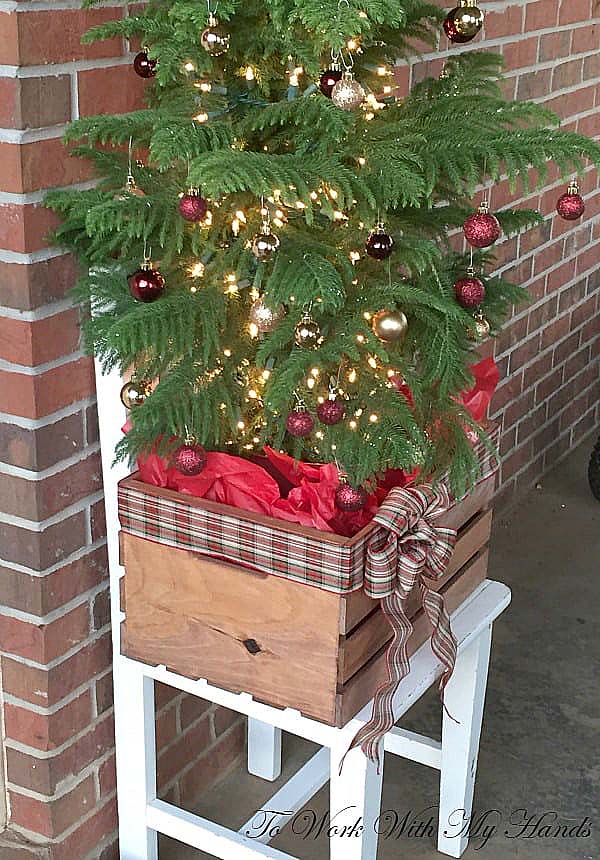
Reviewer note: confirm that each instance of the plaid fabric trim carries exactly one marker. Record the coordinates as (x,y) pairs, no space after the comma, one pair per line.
(338,568)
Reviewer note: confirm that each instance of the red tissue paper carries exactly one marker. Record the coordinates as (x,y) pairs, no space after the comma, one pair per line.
(291,490)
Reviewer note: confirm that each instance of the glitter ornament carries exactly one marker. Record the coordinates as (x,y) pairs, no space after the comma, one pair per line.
(192,207)
(307,333)
(348,94)
(134,393)
(215,38)
(482,228)
(350,499)
(143,65)
(380,244)
(300,423)
(329,79)
(571,205)
(147,284)
(463,22)
(390,326)
(263,317)
(265,244)
(470,290)
(189,458)
(331,411)
(480,328)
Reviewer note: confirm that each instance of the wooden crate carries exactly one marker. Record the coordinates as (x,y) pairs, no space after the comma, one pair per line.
(286,643)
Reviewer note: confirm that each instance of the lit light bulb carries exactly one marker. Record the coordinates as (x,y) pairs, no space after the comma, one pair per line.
(373,418)
(360,338)
(189,66)
(387,89)
(201,117)
(227,353)
(266,374)
(382,71)
(253,330)
(315,372)
(362,161)
(355,256)
(252,394)
(197,270)
(249,74)
(310,382)
(372,362)
(352,44)
(352,375)
(352,424)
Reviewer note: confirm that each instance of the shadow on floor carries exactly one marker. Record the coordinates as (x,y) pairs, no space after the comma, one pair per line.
(540,742)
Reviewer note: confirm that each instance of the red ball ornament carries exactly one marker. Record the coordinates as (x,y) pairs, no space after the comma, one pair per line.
(328,80)
(482,228)
(189,458)
(300,423)
(350,499)
(380,244)
(147,284)
(463,22)
(143,65)
(469,291)
(192,206)
(571,205)
(331,412)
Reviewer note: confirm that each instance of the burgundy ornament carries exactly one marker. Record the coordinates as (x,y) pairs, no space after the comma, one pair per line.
(189,458)
(380,244)
(463,22)
(331,412)
(482,228)
(328,80)
(143,65)
(350,499)
(147,284)
(192,207)
(571,205)
(300,423)
(469,291)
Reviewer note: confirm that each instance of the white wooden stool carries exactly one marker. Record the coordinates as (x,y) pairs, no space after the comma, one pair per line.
(356,792)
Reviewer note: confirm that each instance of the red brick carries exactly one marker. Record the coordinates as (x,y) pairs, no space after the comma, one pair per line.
(567,73)
(537,370)
(44,643)
(48,687)
(540,316)
(26,287)
(47,731)
(545,436)
(44,447)
(573,11)
(541,15)
(507,391)
(113,90)
(104,693)
(40,550)
(585,38)
(166,728)
(554,45)
(45,775)
(560,276)
(548,386)
(9,39)
(36,396)
(520,54)
(39,595)
(524,353)
(39,165)
(53,818)
(224,719)
(10,102)
(192,708)
(571,296)
(177,756)
(534,85)
(87,837)
(516,461)
(212,766)
(531,423)
(583,426)
(555,331)
(24,229)
(508,22)
(547,257)
(107,777)
(48,37)
(41,341)
(163,694)
(35,102)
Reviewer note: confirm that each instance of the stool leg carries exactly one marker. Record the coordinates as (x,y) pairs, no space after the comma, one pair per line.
(354,805)
(465,698)
(136,760)
(264,750)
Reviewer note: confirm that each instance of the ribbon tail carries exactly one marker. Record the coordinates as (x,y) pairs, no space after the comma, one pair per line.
(443,640)
(370,736)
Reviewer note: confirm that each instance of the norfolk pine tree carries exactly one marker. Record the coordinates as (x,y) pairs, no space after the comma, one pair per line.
(251,129)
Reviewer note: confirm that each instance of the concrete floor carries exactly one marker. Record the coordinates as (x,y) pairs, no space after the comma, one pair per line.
(541,735)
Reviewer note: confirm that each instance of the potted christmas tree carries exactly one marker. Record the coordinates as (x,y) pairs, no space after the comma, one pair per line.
(268,255)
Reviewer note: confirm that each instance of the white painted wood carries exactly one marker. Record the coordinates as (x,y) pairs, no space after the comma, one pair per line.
(208,836)
(136,762)
(354,804)
(264,750)
(465,698)
(278,811)
(414,747)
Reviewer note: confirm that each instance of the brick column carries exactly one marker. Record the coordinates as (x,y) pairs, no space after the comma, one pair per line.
(55,654)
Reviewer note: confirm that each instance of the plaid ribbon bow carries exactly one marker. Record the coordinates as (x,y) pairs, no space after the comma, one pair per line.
(408,550)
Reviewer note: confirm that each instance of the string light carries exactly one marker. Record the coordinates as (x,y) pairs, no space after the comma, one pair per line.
(253,330)
(310,382)
(352,375)
(387,89)
(315,372)
(362,161)
(197,270)
(372,362)
(201,117)
(373,418)
(241,425)
(189,66)
(355,256)
(227,353)
(266,374)
(249,74)
(203,86)
(360,338)
(352,424)
(352,44)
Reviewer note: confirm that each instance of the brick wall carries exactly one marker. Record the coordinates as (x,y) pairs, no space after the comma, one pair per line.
(549,352)
(54,631)
(55,638)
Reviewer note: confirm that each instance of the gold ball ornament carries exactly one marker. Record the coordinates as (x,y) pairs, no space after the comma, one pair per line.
(215,38)
(265,318)
(390,326)
(308,333)
(134,393)
(348,94)
(480,328)
(265,245)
